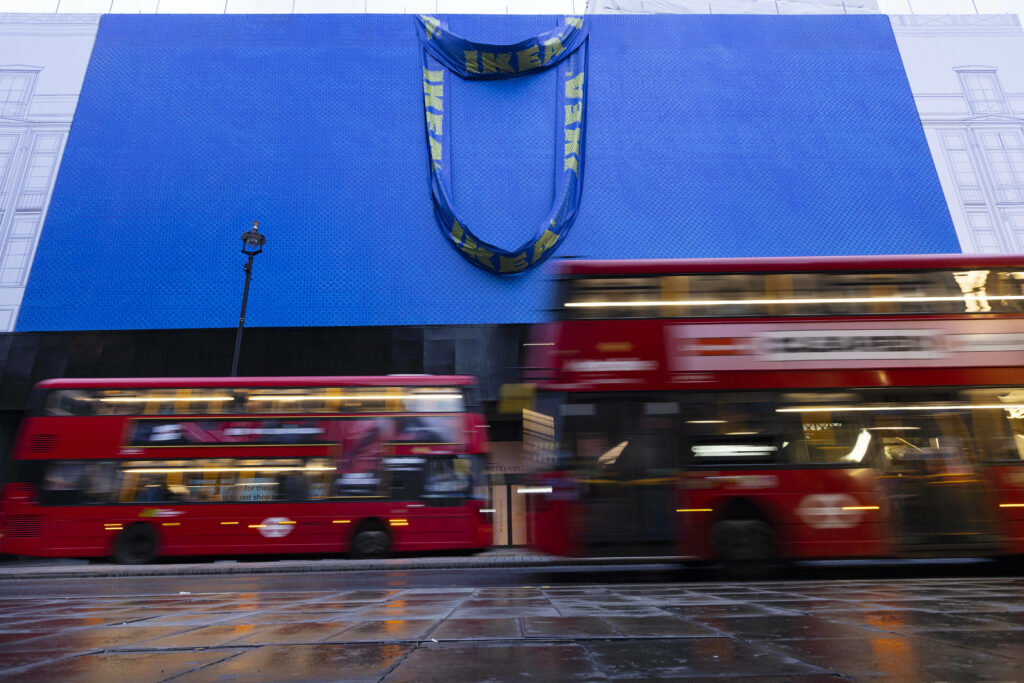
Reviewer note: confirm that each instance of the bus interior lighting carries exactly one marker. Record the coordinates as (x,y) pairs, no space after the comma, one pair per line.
(731,450)
(534,489)
(176,399)
(865,409)
(255,468)
(610,456)
(342,397)
(776,302)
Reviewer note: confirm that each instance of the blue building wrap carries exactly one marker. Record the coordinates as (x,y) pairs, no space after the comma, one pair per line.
(707,136)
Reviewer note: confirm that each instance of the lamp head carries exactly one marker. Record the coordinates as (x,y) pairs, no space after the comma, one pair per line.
(252,240)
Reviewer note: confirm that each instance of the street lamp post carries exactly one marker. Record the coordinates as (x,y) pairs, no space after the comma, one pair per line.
(252,244)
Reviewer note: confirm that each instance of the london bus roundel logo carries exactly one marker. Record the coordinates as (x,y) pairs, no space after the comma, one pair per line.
(829,511)
(276,527)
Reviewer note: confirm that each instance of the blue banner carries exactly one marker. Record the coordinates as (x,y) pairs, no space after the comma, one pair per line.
(445,52)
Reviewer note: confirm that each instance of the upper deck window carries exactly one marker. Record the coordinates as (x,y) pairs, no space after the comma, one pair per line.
(843,293)
(253,400)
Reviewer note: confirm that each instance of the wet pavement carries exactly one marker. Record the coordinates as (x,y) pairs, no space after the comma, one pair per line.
(331,627)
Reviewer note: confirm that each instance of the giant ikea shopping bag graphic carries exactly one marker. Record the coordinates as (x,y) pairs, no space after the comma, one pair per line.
(397,177)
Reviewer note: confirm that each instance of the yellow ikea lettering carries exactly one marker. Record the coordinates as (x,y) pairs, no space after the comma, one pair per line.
(514,264)
(546,241)
(495,63)
(434,122)
(573,113)
(471,63)
(574,87)
(552,48)
(432,95)
(457,232)
(528,58)
(572,149)
(576,22)
(474,251)
(431,25)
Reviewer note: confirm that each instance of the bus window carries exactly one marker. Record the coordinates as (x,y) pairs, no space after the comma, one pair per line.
(265,480)
(209,480)
(997,422)
(62,483)
(596,297)
(101,482)
(447,481)
(404,477)
(319,474)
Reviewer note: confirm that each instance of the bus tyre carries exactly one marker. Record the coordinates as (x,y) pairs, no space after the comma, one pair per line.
(746,547)
(137,544)
(371,541)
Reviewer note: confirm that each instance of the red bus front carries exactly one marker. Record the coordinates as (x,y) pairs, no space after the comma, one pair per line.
(140,468)
(785,408)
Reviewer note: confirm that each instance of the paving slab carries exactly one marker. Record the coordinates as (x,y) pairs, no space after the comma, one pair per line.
(892,657)
(479,629)
(138,667)
(692,658)
(306,663)
(447,662)
(567,627)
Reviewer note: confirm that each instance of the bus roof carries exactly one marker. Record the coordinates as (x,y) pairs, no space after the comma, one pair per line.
(315,381)
(580,267)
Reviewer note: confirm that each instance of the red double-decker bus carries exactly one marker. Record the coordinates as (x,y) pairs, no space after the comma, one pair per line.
(749,410)
(141,468)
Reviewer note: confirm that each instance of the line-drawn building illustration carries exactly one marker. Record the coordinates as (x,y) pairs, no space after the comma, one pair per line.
(967,76)
(43,58)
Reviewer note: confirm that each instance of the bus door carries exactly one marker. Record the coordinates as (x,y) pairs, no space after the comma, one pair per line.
(628,480)
(938,499)
(429,496)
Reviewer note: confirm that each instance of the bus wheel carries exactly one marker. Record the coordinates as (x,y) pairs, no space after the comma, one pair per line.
(371,540)
(745,546)
(136,545)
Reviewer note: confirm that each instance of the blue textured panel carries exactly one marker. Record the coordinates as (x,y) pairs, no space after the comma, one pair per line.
(707,136)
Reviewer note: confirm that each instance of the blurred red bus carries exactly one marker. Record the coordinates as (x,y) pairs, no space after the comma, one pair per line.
(141,468)
(746,410)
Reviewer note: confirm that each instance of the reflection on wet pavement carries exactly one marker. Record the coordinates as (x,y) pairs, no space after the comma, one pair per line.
(897,630)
